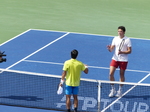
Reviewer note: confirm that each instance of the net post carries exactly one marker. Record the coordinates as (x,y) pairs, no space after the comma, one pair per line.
(99,95)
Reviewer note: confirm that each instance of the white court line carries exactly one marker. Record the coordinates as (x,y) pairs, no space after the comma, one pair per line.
(125,93)
(89,34)
(38,50)
(15,37)
(44,62)
(88,66)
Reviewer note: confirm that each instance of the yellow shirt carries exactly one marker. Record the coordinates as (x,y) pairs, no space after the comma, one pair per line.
(73,68)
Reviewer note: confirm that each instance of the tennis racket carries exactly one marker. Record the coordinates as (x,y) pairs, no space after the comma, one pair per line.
(121,45)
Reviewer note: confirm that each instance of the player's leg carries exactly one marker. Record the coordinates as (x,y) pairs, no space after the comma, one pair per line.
(75,96)
(75,102)
(113,66)
(111,77)
(68,103)
(111,73)
(122,77)
(68,97)
(123,66)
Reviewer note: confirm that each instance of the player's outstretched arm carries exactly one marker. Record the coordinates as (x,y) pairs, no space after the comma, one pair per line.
(86,69)
(110,48)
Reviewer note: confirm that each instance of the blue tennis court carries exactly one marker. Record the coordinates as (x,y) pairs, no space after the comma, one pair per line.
(44,52)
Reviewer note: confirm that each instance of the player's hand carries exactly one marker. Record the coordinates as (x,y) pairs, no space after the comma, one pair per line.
(61,84)
(109,48)
(120,52)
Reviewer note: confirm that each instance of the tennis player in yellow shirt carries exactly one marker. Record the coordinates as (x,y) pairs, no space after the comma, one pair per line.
(72,71)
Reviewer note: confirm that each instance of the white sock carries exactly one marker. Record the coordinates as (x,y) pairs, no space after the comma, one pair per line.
(113,87)
(120,88)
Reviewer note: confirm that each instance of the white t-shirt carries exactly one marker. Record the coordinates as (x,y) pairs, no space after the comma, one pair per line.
(116,42)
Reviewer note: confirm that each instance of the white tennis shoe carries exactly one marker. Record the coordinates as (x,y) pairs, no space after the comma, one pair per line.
(119,94)
(112,93)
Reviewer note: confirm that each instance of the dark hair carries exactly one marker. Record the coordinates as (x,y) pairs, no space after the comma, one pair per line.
(122,28)
(74,54)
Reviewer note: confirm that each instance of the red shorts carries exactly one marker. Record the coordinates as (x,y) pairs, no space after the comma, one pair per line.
(120,64)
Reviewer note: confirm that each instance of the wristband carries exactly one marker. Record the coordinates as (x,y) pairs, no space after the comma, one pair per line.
(86,66)
(61,81)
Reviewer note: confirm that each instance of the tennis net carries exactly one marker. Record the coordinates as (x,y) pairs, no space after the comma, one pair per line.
(36,90)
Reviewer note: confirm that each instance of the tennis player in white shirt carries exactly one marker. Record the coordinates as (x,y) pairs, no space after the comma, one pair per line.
(122,46)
